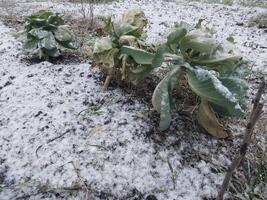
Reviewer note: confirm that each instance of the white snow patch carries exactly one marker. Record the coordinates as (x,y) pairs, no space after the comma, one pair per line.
(107,141)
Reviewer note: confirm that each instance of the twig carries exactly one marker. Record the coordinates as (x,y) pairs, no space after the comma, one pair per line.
(254,116)
(173,174)
(51,140)
(55,138)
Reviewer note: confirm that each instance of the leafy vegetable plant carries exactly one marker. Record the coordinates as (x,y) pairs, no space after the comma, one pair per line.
(46,35)
(213,70)
(111,57)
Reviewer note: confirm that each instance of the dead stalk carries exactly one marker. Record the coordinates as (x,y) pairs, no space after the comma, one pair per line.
(254,116)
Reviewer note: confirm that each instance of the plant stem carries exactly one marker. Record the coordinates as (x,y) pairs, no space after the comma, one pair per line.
(107,81)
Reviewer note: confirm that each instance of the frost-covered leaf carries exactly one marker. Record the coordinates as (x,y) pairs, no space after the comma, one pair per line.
(208,120)
(42,14)
(39,33)
(159,56)
(49,42)
(194,45)
(46,29)
(55,19)
(128,40)
(105,54)
(214,89)
(30,44)
(63,34)
(136,18)
(125,29)
(238,87)
(162,97)
(139,55)
(102,45)
(223,63)
(176,36)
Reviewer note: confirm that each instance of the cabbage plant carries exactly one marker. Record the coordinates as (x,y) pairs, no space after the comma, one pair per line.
(108,52)
(46,35)
(214,71)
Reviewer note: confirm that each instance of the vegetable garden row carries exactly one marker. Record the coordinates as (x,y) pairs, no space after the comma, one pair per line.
(214,71)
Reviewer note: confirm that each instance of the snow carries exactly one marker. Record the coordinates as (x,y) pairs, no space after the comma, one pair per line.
(44,100)
(162,15)
(105,136)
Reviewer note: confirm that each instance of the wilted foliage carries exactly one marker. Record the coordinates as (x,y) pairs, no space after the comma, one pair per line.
(109,53)
(214,72)
(46,35)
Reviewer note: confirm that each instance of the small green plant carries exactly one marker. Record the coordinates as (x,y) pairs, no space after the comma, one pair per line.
(214,72)
(108,52)
(46,35)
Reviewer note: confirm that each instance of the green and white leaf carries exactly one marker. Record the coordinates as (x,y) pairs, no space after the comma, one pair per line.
(49,42)
(223,63)
(136,18)
(30,44)
(139,55)
(214,89)
(39,33)
(102,45)
(63,34)
(162,96)
(176,36)
(126,29)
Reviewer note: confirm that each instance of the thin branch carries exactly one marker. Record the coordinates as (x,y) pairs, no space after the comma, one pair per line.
(59,136)
(51,140)
(254,116)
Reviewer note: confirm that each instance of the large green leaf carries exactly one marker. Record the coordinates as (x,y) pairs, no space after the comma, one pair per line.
(30,44)
(140,56)
(214,89)
(42,14)
(37,23)
(159,56)
(39,33)
(176,36)
(56,19)
(63,34)
(49,42)
(223,63)
(126,29)
(162,97)
(238,87)
(199,46)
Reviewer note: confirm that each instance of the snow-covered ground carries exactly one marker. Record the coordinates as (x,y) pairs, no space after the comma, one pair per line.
(224,20)
(59,130)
